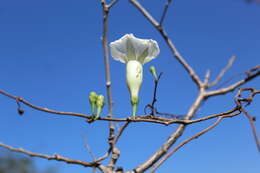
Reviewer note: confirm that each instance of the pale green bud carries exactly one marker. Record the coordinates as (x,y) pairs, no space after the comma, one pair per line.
(100,104)
(92,101)
(134,77)
(153,71)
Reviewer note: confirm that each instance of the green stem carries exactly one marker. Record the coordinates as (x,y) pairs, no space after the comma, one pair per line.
(93,109)
(98,112)
(134,110)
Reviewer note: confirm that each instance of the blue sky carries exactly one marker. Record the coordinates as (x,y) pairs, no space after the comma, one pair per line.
(51,55)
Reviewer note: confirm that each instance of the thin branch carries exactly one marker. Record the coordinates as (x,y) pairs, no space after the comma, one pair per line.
(112,3)
(166,6)
(115,151)
(223,71)
(206,78)
(48,157)
(106,57)
(168,41)
(20,99)
(156,166)
(120,132)
(140,118)
(251,120)
(169,121)
(89,149)
(248,100)
(172,138)
(251,74)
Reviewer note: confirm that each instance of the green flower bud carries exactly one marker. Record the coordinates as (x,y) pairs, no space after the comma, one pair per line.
(153,71)
(92,101)
(100,104)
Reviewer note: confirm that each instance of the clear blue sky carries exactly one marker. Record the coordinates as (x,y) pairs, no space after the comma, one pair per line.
(51,54)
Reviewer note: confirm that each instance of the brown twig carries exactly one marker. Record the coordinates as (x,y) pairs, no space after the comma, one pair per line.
(89,149)
(168,41)
(20,99)
(156,166)
(115,152)
(48,157)
(140,118)
(106,57)
(251,74)
(223,71)
(248,100)
(172,138)
(120,132)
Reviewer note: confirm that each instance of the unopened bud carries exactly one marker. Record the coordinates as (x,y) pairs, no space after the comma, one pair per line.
(100,104)
(92,101)
(153,71)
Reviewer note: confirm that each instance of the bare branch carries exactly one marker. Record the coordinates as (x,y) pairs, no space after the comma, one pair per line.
(248,100)
(168,41)
(141,118)
(206,78)
(115,151)
(251,120)
(121,131)
(106,57)
(251,74)
(112,3)
(166,6)
(20,99)
(48,157)
(114,142)
(223,71)
(89,149)
(172,138)
(156,166)
(168,121)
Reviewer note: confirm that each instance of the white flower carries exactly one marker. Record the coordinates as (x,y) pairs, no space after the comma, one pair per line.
(135,53)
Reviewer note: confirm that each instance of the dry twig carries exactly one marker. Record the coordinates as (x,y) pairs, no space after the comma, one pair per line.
(223,71)
(239,100)
(48,157)
(156,166)
(20,99)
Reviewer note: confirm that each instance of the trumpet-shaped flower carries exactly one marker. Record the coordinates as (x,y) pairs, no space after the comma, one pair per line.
(134,52)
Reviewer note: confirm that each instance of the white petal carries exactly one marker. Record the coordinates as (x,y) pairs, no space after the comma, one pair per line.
(141,45)
(153,51)
(119,49)
(130,48)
